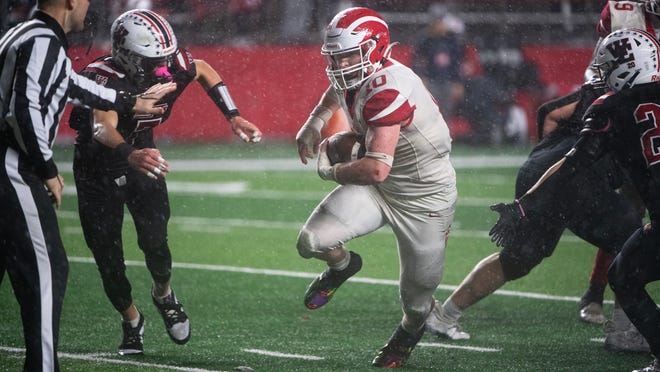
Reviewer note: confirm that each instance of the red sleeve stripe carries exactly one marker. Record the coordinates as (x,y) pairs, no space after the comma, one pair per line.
(387,107)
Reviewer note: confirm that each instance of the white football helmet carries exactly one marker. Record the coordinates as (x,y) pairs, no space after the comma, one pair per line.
(626,58)
(142,40)
(351,33)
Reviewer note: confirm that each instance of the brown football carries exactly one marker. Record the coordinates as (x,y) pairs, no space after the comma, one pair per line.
(345,146)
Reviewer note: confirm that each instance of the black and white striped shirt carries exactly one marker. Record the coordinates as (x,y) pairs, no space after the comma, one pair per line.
(36,80)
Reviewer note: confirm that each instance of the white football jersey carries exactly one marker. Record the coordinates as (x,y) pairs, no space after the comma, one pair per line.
(421,175)
(627,14)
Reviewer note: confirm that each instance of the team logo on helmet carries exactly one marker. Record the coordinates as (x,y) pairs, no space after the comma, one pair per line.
(626,58)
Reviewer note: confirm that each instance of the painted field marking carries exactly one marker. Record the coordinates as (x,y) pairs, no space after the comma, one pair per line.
(450,346)
(282,355)
(294,164)
(97,358)
(299,274)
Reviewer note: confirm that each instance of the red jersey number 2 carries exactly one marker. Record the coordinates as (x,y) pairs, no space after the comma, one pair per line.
(647,116)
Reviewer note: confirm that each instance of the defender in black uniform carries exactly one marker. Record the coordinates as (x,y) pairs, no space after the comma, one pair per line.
(116,164)
(586,204)
(627,124)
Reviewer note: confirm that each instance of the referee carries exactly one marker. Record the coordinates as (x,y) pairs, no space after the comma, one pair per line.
(36,79)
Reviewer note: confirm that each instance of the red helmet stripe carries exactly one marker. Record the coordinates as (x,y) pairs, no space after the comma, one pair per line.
(362,21)
(653,40)
(157,22)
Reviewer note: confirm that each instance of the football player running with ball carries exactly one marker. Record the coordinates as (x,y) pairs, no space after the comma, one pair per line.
(405,179)
(116,164)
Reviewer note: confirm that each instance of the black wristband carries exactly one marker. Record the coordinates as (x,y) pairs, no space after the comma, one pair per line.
(220,96)
(125,102)
(124,149)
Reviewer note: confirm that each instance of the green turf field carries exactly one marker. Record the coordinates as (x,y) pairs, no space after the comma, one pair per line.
(233,230)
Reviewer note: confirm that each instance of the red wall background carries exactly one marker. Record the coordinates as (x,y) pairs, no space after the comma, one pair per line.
(277,86)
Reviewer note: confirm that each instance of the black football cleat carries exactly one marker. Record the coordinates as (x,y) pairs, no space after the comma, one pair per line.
(132,339)
(397,349)
(175,318)
(323,288)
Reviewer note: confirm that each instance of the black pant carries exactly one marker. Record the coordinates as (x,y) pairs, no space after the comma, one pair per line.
(31,250)
(101,200)
(581,200)
(637,265)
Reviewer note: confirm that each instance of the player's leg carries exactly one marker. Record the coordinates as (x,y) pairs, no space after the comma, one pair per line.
(421,240)
(148,202)
(591,302)
(634,267)
(491,273)
(37,266)
(346,213)
(606,219)
(101,210)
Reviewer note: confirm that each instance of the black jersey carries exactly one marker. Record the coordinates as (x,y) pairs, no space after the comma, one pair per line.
(556,144)
(137,129)
(632,134)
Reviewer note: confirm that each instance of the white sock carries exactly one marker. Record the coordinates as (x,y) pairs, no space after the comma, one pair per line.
(134,323)
(341,265)
(451,310)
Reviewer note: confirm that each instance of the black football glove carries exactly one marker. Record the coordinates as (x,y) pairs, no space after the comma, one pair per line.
(511,215)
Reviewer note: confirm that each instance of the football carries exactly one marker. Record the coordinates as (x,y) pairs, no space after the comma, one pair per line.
(345,146)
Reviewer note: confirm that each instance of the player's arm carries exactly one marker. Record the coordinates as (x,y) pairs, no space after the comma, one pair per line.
(589,147)
(550,121)
(309,135)
(551,113)
(148,161)
(87,91)
(212,83)
(376,164)
(373,168)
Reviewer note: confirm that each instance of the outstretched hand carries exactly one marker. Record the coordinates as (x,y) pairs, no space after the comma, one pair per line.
(146,102)
(244,129)
(511,215)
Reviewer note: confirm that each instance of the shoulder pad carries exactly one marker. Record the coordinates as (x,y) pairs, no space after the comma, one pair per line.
(183,59)
(105,67)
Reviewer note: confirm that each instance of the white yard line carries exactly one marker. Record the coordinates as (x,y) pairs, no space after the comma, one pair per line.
(282,355)
(452,346)
(299,274)
(294,164)
(96,358)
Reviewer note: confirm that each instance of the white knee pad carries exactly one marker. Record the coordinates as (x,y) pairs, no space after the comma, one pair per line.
(308,243)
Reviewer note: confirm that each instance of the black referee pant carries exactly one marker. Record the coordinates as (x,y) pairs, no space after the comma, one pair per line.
(36,263)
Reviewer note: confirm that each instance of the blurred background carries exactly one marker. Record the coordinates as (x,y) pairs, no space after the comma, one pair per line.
(489,63)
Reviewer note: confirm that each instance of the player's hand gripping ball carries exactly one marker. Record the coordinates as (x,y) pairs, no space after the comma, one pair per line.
(345,146)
